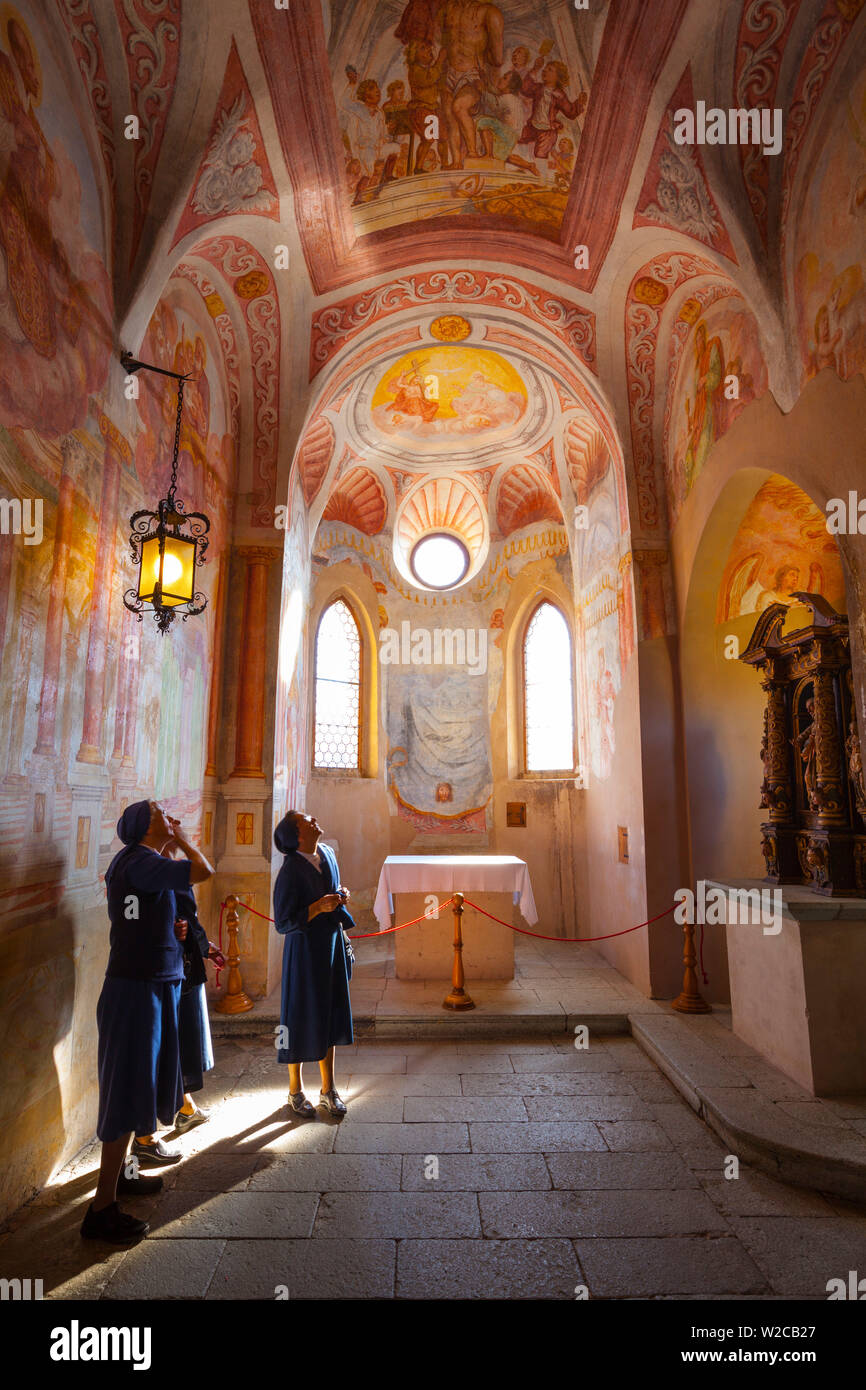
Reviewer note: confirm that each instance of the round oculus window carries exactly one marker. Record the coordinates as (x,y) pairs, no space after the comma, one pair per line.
(439,561)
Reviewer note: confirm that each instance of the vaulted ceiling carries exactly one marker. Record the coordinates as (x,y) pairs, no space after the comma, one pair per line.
(284,169)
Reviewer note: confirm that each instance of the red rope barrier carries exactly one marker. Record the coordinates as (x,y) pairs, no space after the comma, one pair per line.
(429,914)
(606,937)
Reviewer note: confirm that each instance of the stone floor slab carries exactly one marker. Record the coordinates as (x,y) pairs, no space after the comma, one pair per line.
(477,1173)
(597,1213)
(397,1215)
(487,1269)
(534,1137)
(682,1265)
(799,1255)
(587,1108)
(338,1172)
(250,1215)
(304,1269)
(403,1139)
(166,1269)
(464,1108)
(620,1171)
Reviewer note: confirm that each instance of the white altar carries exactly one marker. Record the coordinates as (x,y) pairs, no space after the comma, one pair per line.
(499,883)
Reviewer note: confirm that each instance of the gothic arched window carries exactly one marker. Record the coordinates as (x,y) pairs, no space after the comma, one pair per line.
(337,713)
(548,700)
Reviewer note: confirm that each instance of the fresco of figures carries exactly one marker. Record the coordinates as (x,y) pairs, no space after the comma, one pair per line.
(446,391)
(55,299)
(781,545)
(721,371)
(69,430)
(830,247)
(459,108)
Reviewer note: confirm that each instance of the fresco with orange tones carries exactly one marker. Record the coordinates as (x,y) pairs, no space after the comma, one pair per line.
(782,544)
(830,248)
(432,393)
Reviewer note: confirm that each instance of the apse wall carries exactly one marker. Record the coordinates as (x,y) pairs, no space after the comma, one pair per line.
(404,803)
(96,710)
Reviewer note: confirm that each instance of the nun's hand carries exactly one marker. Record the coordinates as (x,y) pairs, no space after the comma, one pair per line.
(329,903)
(344,893)
(181,927)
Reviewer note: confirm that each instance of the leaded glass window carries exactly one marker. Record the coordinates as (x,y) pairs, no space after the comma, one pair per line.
(547,692)
(338,690)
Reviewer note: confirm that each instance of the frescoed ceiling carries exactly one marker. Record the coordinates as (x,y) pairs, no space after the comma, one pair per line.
(439,238)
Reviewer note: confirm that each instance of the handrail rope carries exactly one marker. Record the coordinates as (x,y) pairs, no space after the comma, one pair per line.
(430,913)
(569,939)
(434,912)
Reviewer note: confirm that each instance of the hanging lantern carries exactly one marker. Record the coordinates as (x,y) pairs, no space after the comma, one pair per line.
(167,544)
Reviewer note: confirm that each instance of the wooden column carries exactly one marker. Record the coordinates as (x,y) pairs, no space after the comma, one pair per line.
(103,593)
(250,717)
(776,790)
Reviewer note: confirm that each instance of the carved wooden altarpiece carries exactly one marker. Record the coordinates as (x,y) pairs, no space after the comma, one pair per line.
(813,788)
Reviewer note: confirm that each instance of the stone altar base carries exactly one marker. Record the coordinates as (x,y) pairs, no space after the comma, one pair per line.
(426,951)
(799,996)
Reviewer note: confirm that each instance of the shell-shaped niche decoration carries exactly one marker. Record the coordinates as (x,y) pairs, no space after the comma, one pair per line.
(314,456)
(358,500)
(441,504)
(524,498)
(586,454)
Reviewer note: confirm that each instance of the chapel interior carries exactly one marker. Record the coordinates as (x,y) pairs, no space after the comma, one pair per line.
(619,380)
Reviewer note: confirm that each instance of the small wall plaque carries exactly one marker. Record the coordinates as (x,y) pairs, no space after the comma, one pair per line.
(515,813)
(622,838)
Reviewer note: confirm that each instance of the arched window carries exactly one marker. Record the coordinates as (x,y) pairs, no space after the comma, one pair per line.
(548,702)
(338,690)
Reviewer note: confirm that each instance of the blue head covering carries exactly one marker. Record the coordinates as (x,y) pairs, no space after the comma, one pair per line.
(286,834)
(134,823)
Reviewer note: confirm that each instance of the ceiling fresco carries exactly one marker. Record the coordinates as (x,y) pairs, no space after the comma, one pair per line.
(453,110)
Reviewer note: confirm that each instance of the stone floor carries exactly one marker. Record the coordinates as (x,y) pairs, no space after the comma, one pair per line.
(512,1168)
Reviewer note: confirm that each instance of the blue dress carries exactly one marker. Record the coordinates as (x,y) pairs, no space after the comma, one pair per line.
(196,1049)
(316,1010)
(138,1053)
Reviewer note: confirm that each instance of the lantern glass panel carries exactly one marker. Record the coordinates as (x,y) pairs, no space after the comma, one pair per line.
(174,570)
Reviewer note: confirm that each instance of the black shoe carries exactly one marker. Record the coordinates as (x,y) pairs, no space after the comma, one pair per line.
(138,1187)
(155,1153)
(113,1225)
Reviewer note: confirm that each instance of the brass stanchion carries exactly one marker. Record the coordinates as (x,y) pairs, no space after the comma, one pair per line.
(235,1000)
(690,1000)
(458,998)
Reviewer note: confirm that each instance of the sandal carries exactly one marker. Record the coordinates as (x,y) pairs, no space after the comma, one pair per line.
(299,1103)
(331,1102)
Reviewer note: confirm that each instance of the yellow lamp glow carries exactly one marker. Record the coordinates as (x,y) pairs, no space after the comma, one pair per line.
(168,572)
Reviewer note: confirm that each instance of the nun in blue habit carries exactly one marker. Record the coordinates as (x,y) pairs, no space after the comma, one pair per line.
(309,911)
(138,1061)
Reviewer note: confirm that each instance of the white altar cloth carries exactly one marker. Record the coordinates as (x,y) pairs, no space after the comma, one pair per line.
(452,873)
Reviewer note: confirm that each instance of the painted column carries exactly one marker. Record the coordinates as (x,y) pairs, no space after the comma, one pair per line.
(73,453)
(7,542)
(133,665)
(250,731)
(116,451)
(21,685)
(217,672)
